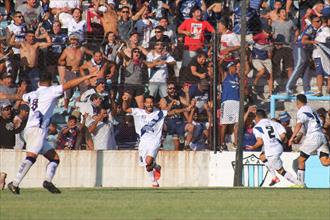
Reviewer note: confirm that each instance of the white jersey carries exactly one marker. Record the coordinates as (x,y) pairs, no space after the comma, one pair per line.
(270,131)
(42,103)
(149,125)
(310,120)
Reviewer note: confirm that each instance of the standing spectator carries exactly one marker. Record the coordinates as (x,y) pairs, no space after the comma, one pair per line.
(261,54)
(230,103)
(32,12)
(126,21)
(20,120)
(274,14)
(143,27)
(163,22)
(304,48)
(63,10)
(7,127)
(102,129)
(285,119)
(194,30)
(67,138)
(17,28)
(186,7)
(175,124)
(229,41)
(321,58)
(95,29)
(6,86)
(29,55)
(160,36)
(157,62)
(77,25)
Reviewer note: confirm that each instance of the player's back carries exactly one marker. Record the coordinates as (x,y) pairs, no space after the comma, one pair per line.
(270,131)
(42,103)
(310,119)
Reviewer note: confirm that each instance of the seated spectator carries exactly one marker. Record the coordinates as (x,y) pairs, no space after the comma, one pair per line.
(197,69)
(84,139)
(200,93)
(67,138)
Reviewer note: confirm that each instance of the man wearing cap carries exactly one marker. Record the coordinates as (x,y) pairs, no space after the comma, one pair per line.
(7,127)
(285,118)
(230,103)
(69,64)
(29,55)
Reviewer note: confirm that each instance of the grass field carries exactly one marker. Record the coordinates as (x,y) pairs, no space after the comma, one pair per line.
(166,204)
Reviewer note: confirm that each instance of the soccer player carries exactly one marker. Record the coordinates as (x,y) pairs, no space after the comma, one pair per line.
(270,134)
(315,139)
(42,103)
(148,125)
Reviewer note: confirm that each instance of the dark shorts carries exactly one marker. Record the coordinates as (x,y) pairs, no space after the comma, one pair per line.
(319,67)
(134,90)
(175,126)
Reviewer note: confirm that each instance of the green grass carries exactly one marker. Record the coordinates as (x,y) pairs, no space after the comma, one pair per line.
(166,204)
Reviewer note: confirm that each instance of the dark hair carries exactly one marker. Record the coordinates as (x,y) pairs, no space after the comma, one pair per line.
(72,117)
(302,98)
(45,77)
(94,96)
(29,32)
(98,51)
(193,9)
(161,28)
(312,17)
(149,97)
(17,12)
(261,113)
(125,7)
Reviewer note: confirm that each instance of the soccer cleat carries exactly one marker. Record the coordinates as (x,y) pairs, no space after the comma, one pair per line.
(274,181)
(13,189)
(2,180)
(155,184)
(50,187)
(157,173)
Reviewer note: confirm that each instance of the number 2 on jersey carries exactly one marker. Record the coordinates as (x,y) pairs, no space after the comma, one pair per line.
(271,133)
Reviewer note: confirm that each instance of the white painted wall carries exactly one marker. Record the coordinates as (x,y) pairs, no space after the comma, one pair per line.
(120,168)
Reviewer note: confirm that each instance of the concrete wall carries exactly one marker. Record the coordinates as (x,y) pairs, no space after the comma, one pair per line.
(120,169)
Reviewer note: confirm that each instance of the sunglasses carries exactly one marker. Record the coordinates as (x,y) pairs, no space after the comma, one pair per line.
(136,51)
(171,88)
(158,31)
(19,16)
(126,12)
(317,21)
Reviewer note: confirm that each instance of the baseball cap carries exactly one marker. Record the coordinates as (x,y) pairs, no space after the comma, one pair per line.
(6,74)
(24,107)
(111,2)
(99,81)
(230,64)
(5,104)
(280,39)
(75,36)
(284,117)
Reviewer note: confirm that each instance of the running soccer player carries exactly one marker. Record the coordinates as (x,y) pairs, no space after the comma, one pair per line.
(42,103)
(315,139)
(270,135)
(148,125)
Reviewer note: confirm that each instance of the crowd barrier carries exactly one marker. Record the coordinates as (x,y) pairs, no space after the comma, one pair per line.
(179,169)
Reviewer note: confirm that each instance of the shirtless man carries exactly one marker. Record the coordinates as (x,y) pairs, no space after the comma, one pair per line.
(29,53)
(69,65)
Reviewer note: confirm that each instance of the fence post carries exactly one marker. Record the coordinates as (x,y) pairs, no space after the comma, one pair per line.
(216,45)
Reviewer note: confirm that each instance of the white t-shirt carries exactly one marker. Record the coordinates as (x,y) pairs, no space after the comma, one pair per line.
(149,125)
(310,120)
(64,3)
(104,135)
(79,28)
(19,32)
(270,131)
(42,103)
(158,73)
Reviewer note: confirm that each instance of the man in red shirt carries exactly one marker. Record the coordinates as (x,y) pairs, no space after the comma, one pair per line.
(194,31)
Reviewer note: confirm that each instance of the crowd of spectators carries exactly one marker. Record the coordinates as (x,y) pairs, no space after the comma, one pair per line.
(160,48)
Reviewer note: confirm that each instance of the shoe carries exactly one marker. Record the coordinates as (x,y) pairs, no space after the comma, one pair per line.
(50,187)
(318,94)
(223,147)
(13,189)
(2,180)
(157,173)
(274,181)
(155,184)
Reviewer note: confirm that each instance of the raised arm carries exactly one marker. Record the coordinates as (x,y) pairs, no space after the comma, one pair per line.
(125,104)
(74,82)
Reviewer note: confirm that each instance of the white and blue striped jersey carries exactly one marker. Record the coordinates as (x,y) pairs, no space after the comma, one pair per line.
(149,125)
(310,120)
(269,131)
(42,103)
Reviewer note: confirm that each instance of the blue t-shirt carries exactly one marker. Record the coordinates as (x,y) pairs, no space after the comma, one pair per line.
(230,88)
(310,32)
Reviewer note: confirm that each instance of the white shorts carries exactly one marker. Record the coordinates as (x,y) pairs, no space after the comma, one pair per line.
(229,112)
(275,162)
(315,142)
(262,64)
(148,146)
(36,140)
